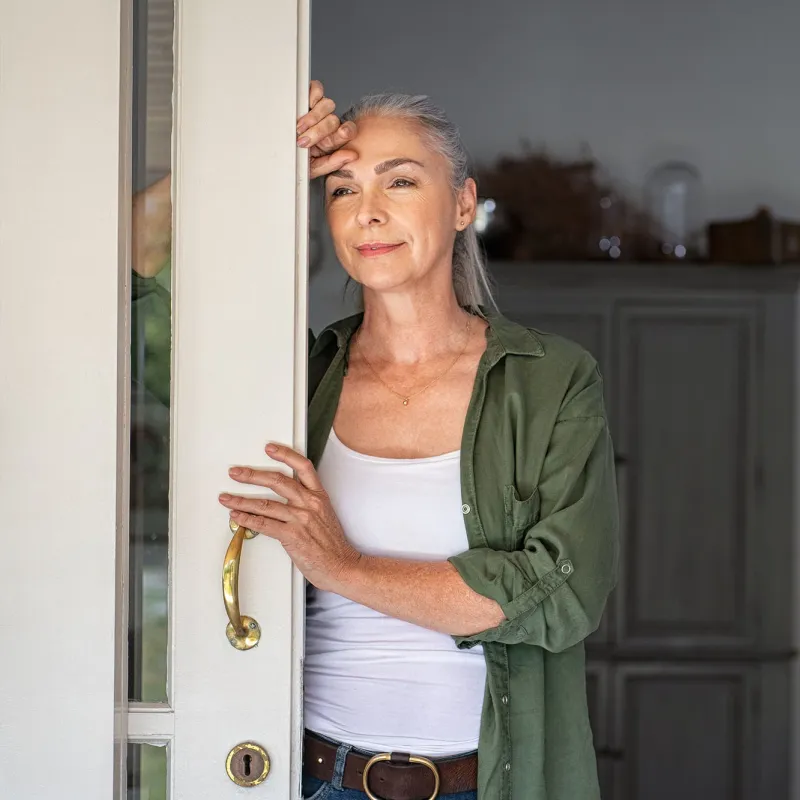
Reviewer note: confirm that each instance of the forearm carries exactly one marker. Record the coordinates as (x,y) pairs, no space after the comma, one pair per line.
(430,594)
(152,228)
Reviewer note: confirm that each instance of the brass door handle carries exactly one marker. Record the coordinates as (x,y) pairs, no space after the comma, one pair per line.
(243,632)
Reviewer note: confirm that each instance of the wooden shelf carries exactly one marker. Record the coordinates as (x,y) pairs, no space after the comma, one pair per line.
(690,275)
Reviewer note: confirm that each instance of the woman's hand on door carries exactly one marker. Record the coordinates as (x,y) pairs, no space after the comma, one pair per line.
(323,134)
(306,525)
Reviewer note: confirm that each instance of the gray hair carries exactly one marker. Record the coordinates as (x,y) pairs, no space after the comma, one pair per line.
(470,279)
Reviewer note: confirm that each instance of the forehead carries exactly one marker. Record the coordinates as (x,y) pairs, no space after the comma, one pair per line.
(382,138)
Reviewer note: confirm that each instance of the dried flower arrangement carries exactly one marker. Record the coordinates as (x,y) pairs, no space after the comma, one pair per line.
(549,209)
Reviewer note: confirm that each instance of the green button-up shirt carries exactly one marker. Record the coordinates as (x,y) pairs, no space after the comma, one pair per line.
(540,509)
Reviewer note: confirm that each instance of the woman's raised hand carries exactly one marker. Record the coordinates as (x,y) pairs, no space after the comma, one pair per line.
(323,134)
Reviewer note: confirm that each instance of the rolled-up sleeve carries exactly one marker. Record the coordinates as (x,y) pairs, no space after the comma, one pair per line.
(553,591)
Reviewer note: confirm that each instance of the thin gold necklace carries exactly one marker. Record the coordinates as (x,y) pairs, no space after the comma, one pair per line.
(406,397)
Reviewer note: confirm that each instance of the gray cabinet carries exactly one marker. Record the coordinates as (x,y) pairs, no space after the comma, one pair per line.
(686,429)
(685,731)
(689,674)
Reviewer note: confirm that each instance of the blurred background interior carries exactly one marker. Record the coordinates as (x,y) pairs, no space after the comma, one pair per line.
(640,193)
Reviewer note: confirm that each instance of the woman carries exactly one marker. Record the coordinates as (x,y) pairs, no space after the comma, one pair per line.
(456,516)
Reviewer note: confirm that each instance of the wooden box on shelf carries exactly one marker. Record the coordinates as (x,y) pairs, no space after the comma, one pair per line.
(761,239)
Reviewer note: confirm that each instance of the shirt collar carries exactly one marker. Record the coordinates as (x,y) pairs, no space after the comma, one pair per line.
(340,331)
(514,339)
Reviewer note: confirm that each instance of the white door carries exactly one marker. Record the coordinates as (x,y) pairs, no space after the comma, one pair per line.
(117,676)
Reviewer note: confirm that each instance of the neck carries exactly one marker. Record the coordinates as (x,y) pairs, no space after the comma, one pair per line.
(404,330)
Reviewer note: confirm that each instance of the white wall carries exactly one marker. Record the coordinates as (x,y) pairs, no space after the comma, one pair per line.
(710,81)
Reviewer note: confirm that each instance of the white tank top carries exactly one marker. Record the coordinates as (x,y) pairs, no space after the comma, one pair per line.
(370,680)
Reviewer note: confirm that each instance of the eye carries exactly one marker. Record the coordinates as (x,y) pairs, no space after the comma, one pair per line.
(402,183)
(340,192)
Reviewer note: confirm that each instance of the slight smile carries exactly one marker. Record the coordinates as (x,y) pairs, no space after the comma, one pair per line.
(377,249)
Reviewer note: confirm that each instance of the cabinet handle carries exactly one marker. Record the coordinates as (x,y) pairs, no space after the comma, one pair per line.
(243,632)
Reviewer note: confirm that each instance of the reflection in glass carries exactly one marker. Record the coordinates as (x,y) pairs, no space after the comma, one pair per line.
(150,349)
(147,772)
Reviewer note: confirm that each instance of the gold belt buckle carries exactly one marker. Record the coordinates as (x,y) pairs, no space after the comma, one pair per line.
(411,760)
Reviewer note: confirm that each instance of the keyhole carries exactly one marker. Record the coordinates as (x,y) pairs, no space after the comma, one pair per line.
(247,759)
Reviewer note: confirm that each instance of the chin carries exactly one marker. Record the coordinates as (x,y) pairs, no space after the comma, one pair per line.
(381,277)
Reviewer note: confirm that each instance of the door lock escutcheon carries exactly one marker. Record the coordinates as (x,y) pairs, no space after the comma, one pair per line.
(247,764)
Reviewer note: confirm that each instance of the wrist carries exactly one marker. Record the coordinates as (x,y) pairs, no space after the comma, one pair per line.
(348,572)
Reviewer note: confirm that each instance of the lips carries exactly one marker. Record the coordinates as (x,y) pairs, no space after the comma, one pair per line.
(374,249)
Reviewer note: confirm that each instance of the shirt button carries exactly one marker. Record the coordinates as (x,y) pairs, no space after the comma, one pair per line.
(566,569)
(465,509)
(504,699)
(508,766)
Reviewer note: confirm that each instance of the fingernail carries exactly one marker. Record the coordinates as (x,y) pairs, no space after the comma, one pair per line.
(234,471)
(224,497)
(301,127)
(271,448)
(304,142)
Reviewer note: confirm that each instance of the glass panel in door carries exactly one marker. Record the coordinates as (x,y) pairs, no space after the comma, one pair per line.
(151,337)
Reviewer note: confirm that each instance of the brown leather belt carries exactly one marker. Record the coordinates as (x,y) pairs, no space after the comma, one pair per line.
(392,776)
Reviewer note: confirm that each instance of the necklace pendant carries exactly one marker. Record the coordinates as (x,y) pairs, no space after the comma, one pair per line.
(405,402)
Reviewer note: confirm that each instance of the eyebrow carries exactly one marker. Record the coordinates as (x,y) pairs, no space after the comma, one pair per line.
(380,169)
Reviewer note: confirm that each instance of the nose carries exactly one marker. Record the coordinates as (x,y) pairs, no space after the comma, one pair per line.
(371,211)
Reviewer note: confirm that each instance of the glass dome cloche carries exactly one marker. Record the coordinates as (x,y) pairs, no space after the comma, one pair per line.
(674,204)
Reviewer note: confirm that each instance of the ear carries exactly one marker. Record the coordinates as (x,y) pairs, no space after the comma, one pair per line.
(466,204)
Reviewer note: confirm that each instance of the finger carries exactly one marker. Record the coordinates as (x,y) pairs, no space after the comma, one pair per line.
(316,91)
(283,485)
(324,165)
(322,130)
(302,467)
(336,140)
(269,527)
(260,506)
(321,110)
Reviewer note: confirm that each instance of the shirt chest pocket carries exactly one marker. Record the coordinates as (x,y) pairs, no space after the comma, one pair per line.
(520,514)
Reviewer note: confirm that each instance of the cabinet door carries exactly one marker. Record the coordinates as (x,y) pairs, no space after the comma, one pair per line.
(687,398)
(686,731)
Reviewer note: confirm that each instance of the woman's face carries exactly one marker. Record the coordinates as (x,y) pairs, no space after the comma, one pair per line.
(392,212)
